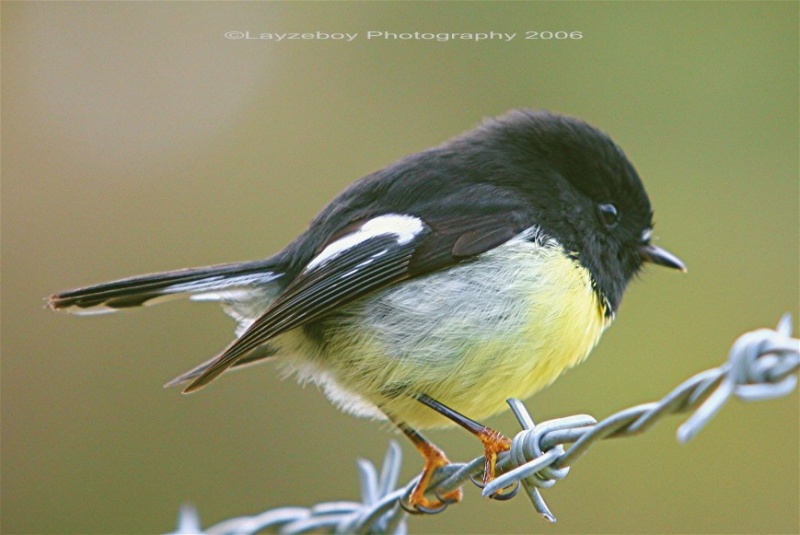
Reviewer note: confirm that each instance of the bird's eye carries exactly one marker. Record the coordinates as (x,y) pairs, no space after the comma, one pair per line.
(608,214)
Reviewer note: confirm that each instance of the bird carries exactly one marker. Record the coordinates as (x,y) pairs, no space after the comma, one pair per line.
(430,291)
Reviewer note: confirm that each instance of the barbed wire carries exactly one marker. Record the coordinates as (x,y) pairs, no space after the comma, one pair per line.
(762,364)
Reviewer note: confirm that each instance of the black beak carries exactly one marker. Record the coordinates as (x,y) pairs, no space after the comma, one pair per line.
(662,257)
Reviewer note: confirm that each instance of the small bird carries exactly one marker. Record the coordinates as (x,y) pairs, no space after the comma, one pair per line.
(438,286)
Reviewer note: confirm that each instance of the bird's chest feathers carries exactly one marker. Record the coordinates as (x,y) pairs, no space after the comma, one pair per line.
(507,323)
(521,298)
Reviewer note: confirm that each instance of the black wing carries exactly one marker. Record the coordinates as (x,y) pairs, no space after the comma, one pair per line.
(357,263)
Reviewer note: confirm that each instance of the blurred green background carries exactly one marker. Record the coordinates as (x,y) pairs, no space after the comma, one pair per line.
(137,138)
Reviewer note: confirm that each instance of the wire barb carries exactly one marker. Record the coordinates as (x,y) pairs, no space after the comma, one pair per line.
(762,365)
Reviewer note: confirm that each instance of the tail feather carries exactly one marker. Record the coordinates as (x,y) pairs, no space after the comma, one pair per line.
(213,281)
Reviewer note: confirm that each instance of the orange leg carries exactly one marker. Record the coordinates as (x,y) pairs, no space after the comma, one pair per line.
(434,459)
(493,441)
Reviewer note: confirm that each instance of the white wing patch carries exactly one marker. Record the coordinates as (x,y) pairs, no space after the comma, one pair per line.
(404,227)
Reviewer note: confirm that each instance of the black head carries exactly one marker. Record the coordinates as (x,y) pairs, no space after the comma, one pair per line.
(584,192)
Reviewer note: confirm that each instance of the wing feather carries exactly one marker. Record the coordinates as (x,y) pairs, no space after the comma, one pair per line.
(374,263)
(352,266)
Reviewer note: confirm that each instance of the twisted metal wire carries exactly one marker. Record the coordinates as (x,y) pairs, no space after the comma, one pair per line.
(762,364)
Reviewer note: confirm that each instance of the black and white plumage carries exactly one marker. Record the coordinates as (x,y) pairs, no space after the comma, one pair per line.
(427,212)
(468,273)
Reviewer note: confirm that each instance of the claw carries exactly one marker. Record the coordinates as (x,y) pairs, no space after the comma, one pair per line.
(477,482)
(421,509)
(412,510)
(493,443)
(502,495)
(434,459)
(418,504)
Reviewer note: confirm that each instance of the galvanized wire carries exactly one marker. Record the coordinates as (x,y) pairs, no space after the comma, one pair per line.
(762,365)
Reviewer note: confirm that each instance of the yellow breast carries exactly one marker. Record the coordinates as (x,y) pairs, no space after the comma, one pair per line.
(472,336)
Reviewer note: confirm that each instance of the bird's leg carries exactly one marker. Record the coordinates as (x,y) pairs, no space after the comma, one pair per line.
(493,441)
(434,459)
